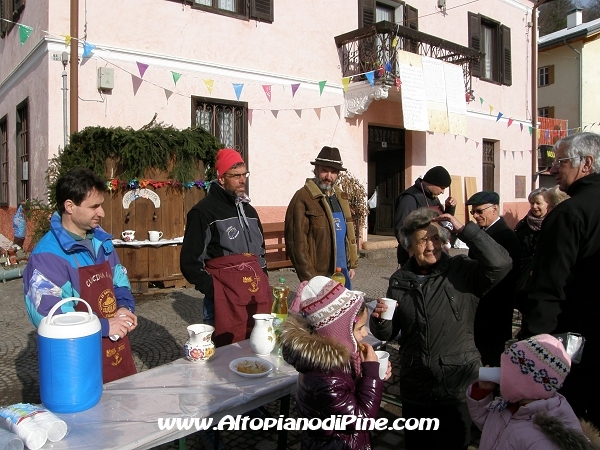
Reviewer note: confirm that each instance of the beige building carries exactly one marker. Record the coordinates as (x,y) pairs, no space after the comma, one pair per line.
(568,73)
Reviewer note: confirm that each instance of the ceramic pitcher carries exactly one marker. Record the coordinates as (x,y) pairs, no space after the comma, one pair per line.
(262,338)
(199,347)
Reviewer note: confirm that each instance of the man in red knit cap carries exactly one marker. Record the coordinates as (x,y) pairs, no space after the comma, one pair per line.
(223,253)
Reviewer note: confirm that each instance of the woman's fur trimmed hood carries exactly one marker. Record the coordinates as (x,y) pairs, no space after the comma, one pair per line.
(304,349)
(566,438)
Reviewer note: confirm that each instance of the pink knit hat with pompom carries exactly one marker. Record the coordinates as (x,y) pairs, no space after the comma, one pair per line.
(534,368)
(330,308)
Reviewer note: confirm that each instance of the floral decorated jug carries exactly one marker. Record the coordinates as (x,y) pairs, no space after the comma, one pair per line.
(199,347)
(262,338)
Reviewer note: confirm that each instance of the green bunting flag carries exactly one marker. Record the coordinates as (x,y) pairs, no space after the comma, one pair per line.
(321,87)
(24,32)
(176,77)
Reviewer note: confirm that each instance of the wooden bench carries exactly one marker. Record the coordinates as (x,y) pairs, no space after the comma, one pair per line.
(276,255)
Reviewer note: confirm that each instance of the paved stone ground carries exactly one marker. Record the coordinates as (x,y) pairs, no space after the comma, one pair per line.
(163,316)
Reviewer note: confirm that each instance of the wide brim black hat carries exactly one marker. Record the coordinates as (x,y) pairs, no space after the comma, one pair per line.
(329,157)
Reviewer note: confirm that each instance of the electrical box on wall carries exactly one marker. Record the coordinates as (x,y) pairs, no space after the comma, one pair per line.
(106,78)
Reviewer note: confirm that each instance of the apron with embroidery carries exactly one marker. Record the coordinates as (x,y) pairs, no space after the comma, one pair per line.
(241,289)
(96,287)
(339,225)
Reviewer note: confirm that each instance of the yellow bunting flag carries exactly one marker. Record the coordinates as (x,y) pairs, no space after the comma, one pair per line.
(345,83)
(209,85)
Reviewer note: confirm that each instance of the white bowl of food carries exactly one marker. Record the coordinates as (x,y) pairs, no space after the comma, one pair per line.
(251,367)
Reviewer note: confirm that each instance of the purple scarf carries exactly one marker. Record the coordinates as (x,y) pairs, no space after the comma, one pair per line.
(535,223)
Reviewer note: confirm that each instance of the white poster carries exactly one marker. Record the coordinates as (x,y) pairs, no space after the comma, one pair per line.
(414,100)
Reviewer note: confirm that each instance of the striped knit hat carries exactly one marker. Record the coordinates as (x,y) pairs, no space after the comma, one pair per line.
(534,368)
(330,308)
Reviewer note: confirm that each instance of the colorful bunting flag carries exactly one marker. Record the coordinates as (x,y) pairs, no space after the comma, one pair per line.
(521,126)
(491,109)
(530,131)
(318,112)
(322,86)
(299,113)
(142,68)
(209,85)
(24,32)
(395,42)
(388,66)
(510,121)
(275,112)
(250,111)
(480,101)
(499,116)
(137,82)
(370,77)
(87,49)
(67,40)
(267,89)
(237,87)
(295,88)
(177,76)
(338,110)
(345,83)
(168,94)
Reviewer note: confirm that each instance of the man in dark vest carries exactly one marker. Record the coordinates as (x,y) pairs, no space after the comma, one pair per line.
(493,320)
(424,193)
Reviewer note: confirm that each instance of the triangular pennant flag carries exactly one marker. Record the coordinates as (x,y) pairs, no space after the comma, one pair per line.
(176,77)
(585,128)
(388,66)
(87,49)
(137,82)
(318,112)
(275,112)
(142,68)
(510,121)
(547,134)
(209,85)
(370,77)
(521,127)
(299,113)
(466,139)
(295,88)
(267,89)
(345,83)
(480,101)
(250,111)
(24,32)
(491,109)
(499,116)
(539,133)
(530,131)
(395,42)
(168,94)
(238,89)
(578,130)
(338,110)
(67,40)
(322,86)
(476,144)
(593,124)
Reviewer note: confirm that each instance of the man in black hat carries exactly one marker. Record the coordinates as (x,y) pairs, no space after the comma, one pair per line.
(319,231)
(493,319)
(423,194)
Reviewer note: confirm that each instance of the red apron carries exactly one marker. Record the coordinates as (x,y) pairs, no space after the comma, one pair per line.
(96,288)
(241,289)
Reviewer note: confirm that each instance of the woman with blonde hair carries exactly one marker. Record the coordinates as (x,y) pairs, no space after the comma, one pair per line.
(554,196)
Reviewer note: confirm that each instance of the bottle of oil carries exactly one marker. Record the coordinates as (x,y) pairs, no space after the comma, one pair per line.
(279,310)
(339,276)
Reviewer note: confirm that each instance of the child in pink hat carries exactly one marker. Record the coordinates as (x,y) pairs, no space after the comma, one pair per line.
(339,375)
(530,413)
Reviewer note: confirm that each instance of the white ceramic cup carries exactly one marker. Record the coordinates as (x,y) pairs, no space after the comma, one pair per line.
(391,307)
(489,374)
(128,235)
(383,362)
(155,235)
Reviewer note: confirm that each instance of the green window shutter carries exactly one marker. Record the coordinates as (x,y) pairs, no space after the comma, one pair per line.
(506,57)
(262,10)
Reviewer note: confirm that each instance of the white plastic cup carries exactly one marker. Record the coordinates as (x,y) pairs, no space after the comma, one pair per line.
(154,235)
(489,374)
(383,362)
(391,307)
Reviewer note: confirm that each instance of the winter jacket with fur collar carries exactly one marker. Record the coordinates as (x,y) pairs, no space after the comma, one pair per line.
(540,425)
(326,386)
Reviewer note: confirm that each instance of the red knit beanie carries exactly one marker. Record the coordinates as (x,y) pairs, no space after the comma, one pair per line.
(226,158)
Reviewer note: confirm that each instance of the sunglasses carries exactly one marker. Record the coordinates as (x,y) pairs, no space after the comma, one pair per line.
(479,211)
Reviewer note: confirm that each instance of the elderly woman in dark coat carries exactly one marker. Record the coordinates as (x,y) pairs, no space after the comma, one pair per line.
(437,298)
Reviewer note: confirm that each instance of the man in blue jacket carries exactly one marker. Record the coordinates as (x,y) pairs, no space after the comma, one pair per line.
(76,258)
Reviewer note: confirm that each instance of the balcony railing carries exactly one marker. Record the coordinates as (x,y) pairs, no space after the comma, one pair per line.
(374,48)
(551,130)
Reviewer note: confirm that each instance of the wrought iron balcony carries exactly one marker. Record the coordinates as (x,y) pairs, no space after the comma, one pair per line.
(374,48)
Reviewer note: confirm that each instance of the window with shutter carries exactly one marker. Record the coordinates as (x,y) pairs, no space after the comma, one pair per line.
(262,10)
(4,161)
(411,17)
(6,12)
(493,40)
(546,76)
(366,13)
(22,131)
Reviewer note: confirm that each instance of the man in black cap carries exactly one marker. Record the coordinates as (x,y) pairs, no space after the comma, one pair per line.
(493,319)
(424,193)
(319,231)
